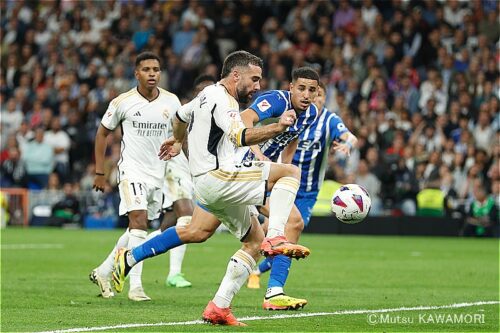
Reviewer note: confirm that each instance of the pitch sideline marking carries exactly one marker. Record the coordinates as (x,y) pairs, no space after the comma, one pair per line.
(47,246)
(281,316)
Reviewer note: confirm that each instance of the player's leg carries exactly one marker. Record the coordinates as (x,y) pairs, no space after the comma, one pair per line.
(133,197)
(203,225)
(101,275)
(283,182)
(293,230)
(138,222)
(183,209)
(179,188)
(239,267)
(275,298)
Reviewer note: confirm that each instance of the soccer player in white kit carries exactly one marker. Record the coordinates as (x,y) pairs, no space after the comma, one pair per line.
(178,194)
(225,190)
(143,113)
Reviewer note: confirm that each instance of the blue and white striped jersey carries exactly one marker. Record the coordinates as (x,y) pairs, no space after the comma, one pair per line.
(312,152)
(272,104)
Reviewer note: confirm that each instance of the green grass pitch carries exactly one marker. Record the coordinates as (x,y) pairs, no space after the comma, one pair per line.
(45,286)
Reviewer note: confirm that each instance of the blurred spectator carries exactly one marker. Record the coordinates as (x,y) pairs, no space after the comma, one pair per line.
(12,117)
(13,170)
(483,217)
(371,183)
(67,210)
(431,200)
(39,160)
(60,142)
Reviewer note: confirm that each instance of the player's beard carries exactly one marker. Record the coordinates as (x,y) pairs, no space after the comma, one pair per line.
(243,95)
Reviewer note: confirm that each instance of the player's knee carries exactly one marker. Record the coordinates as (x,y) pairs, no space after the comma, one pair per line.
(137,221)
(293,171)
(253,248)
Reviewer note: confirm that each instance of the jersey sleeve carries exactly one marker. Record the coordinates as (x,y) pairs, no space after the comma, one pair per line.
(185,112)
(337,127)
(269,105)
(228,119)
(113,116)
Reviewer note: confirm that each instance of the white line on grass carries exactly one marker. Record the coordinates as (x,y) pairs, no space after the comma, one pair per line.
(280,316)
(31,246)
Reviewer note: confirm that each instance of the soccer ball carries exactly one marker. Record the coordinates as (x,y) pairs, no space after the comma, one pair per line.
(351,203)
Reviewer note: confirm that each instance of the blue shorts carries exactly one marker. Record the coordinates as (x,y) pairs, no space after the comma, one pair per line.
(305,206)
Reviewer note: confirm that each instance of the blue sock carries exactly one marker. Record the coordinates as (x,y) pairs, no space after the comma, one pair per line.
(279,271)
(266,264)
(157,245)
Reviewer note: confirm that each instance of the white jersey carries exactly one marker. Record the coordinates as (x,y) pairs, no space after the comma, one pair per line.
(215,129)
(144,125)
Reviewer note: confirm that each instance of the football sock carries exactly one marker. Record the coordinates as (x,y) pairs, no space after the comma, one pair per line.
(239,268)
(155,246)
(136,238)
(265,265)
(279,273)
(106,267)
(280,205)
(177,253)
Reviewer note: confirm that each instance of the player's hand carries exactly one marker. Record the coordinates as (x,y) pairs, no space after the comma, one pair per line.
(170,148)
(99,183)
(342,147)
(262,157)
(287,119)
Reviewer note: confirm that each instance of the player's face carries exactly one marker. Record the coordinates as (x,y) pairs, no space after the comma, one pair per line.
(320,99)
(304,92)
(147,73)
(248,83)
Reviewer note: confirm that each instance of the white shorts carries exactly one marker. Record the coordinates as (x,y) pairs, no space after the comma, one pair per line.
(230,191)
(178,181)
(137,195)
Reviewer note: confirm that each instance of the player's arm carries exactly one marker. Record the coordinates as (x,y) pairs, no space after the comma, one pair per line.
(249,118)
(349,141)
(289,151)
(241,136)
(101,144)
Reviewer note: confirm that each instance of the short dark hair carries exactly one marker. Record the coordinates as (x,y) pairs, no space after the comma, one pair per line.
(204,78)
(239,58)
(145,56)
(305,73)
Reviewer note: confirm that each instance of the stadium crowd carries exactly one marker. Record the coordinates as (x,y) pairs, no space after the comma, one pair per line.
(416,81)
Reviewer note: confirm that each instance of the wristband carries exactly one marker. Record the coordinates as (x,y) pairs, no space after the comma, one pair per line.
(99,174)
(349,144)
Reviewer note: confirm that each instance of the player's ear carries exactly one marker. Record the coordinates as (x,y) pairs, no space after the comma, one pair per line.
(136,74)
(290,86)
(236,75)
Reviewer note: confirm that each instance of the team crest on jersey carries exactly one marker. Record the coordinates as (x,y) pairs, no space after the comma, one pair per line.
(138,200)
(165,114)
(263,105)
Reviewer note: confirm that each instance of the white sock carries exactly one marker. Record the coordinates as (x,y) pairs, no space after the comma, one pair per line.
(239,268)
(273,291)
(106,267)
(136,238)
(280,205)
(177,253)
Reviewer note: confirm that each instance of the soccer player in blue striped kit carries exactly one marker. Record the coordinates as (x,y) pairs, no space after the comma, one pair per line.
(310,155)
(300,96)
